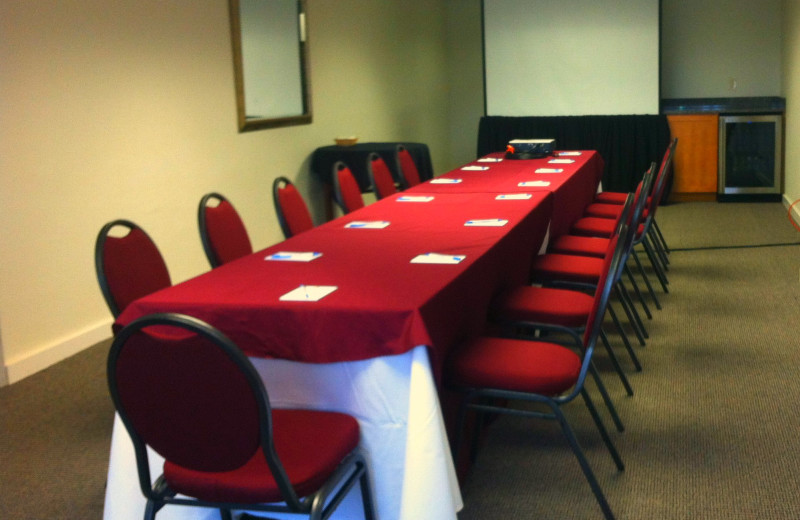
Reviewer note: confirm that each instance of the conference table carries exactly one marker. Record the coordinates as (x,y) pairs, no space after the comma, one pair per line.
(359,314)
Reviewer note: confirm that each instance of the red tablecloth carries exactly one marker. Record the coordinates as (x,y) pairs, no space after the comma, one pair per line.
(573,188)
(383,304)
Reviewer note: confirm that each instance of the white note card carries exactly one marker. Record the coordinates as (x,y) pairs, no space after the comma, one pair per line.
(487,222)
(514,196)
(473,168)
(414,198)
(367,224)
(490,159)
(534,184)
(437,258)
(567,154)
(561,161)
(308,293)
(292,256)
(549,170)
(445,180)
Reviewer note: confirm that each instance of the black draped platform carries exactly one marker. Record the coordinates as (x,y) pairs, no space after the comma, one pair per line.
(627,143)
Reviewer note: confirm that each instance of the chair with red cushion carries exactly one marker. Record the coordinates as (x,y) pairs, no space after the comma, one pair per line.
(222,231)
(293,214)
(380,176)
(345,188)
(185,391)
(128,265)
(494,373)
(407,167)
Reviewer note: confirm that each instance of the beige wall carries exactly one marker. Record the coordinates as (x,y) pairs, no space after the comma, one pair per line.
(791,85)
(125,108)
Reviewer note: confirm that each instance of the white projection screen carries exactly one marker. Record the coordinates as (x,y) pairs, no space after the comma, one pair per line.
(571,57)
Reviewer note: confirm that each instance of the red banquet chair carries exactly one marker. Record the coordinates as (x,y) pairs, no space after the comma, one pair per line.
(494,373)
(293,214)
(407,167)
(345,188)
(128,266)
(185,391)
(222,231)
(380,176)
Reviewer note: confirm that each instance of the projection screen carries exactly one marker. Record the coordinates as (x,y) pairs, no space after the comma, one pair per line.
(571,57)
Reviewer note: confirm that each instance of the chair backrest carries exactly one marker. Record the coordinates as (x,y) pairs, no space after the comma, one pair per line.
(129,266)
(159,370)
(407,167)
(222,231)
(345,188)
(380,176)
(293,214)
(664,171)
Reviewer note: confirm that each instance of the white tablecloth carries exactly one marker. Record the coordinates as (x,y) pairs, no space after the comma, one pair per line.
(403,437)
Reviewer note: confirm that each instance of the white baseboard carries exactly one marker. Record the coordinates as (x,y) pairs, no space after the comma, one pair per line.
(18,369)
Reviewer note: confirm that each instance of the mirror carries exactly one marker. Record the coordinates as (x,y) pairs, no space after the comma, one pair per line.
(270,63)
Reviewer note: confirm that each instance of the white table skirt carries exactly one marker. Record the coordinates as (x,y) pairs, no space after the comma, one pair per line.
(403,437)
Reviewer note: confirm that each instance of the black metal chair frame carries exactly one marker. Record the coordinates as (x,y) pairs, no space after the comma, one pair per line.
(337,189)
(317,506)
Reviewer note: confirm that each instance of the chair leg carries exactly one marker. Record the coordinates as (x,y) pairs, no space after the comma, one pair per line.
(657,247)
(630,309)
(655,263)
(646,279)
(225,514)
(638,292)
(584,464)
(661,237)
(620,330)
(366,497)
(612,410)
(615,362)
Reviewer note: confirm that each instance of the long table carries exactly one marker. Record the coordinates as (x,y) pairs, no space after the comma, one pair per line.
(375,346)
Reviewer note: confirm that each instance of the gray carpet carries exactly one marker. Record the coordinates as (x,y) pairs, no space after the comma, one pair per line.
(712,432)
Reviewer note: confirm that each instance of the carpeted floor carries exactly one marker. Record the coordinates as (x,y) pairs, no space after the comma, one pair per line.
(712,432)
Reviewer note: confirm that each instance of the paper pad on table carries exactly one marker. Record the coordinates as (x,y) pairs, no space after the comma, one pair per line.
(564,154)
(367,224)
(490,222)
(308,293)
(549,170)
(528,184)
(437,258)
(561,161)
(445,180)
(290,256)
(475,168)
(514,196)
(490,159)
(413,198)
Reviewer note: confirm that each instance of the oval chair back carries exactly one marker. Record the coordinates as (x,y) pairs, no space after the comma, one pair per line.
(293,214)
(345,188)
(407,167)
(222,231)
(380,176)
(128,266)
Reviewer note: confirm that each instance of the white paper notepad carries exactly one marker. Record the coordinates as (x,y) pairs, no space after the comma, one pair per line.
(444,180)
(487,222)
(473,168)
(566,154)
(413,198)
(534,184)
(293,256)
(561,161)
(549,170)
(490,159)
(437,258)
(308,293)
(367,224)
(514,196)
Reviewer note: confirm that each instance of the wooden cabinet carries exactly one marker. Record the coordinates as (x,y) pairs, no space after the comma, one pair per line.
(696,157)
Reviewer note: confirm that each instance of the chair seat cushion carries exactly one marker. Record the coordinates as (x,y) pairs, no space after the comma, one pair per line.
(552,267)
(543,305)
(310,445)
(578,245)
(611,197)
(594,227)
(518,365)
(602,210)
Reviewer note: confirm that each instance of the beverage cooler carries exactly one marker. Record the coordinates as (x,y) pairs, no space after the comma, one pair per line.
(750,157)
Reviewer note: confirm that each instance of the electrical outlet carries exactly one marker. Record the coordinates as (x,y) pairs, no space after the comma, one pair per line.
(732,84)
